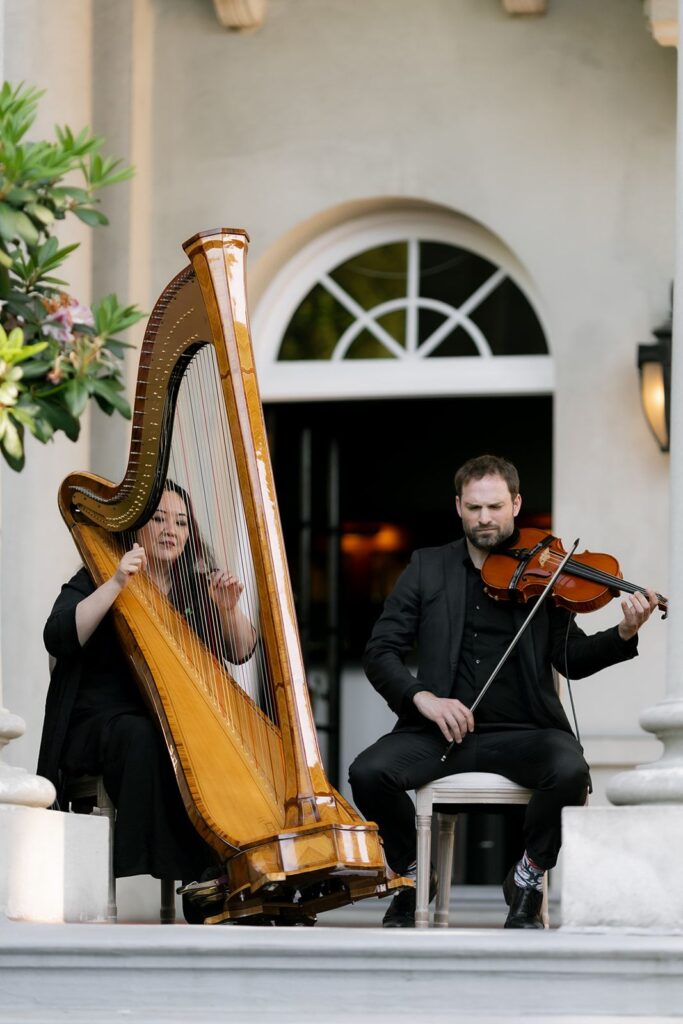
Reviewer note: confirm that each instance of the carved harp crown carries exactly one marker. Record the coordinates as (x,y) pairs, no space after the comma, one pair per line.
(236,719)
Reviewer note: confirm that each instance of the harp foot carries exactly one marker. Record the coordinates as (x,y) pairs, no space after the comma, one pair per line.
(284,903)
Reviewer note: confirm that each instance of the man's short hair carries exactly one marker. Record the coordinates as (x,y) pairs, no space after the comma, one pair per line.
(487,465)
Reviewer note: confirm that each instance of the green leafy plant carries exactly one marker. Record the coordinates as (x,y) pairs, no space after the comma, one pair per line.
(55,352)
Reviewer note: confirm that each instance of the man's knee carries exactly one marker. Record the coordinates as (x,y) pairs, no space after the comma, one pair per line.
(362,774)
(370,774)
(572,779)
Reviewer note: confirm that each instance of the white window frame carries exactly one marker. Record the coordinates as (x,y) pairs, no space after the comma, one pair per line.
(340,378)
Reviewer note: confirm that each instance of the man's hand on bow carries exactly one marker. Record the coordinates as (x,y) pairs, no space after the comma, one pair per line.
(452,717)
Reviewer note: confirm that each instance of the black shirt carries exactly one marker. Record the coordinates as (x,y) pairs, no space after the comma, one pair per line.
(489,629)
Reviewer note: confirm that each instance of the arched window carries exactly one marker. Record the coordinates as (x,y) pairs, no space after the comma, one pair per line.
(414,299)
(413,304)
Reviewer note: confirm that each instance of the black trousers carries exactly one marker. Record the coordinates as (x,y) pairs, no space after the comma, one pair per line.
(549,761)
(153,834)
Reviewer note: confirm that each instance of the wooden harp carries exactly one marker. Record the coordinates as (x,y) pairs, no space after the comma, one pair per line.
(239,729)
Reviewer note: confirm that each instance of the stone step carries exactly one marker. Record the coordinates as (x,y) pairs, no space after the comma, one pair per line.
(107,973)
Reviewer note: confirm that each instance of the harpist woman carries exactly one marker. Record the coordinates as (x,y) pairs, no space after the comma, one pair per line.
(95,719)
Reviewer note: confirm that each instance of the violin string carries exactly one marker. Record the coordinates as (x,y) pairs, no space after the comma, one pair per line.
(595,575)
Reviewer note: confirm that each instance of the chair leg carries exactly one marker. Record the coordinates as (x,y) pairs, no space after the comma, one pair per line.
(424,844)
(107,811)
(444,869)
(167,912)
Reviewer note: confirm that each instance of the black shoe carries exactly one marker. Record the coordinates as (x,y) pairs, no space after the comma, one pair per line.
(401,910)
(192,912)
(525,904)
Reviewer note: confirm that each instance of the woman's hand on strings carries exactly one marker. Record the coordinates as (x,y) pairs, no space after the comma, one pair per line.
(92,609)
(225,589)
(637,610)
(238,632)
(452,717)
(130,565)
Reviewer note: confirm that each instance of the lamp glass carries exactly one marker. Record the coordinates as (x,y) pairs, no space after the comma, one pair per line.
(654,401)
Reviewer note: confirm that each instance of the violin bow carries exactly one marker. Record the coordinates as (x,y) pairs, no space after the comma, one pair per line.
(517,637)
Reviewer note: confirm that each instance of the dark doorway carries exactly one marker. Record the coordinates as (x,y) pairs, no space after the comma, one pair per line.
(360,485)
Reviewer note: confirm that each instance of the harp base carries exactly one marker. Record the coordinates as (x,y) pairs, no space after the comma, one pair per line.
(288,903)
(292,876)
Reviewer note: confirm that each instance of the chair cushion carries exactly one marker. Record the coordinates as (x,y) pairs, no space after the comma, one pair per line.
(470,788)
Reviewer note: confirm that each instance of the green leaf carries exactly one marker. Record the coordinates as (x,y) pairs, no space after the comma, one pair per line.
(15,224)
(36,368)
(93,218)
(109,391)
(5,259)
(117,346)
(28,351)
(80,195)
(52,280)
(76,396)
(13,444)
(20,196)
(29,414)
(8,393)
(59,417)
(39,212)
(6,222)
(105,406)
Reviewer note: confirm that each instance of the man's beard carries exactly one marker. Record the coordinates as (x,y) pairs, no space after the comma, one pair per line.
(490,538)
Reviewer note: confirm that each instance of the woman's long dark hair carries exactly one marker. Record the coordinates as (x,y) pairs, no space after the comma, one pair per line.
(190,572)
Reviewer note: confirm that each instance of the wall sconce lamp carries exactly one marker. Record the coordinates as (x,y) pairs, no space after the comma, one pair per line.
(654,364)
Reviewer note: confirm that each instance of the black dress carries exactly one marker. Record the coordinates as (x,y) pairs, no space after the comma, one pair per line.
(96,723)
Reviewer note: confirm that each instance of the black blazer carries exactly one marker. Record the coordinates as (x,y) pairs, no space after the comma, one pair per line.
(427,609)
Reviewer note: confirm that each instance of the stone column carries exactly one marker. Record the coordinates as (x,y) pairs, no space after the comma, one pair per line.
(17,786)
(622,864)
(662,781)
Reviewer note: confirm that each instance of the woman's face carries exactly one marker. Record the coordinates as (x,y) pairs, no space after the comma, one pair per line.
(165,535)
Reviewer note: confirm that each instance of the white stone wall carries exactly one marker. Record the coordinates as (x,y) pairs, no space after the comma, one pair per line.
(556,133)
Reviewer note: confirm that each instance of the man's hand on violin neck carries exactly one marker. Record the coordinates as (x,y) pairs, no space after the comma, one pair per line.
(452,717)
(637,609)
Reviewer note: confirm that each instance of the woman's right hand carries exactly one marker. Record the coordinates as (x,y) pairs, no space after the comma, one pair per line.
(131,564)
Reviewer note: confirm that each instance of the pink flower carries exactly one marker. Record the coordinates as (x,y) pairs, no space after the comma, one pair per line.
(60,323)
(81,315)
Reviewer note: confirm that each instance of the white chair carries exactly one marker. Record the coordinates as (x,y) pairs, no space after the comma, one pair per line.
(464,790)
(88,791)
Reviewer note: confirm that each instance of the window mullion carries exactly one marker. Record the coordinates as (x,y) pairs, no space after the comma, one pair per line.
(413,295)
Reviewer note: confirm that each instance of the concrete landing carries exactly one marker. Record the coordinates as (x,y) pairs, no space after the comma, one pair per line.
(112,973)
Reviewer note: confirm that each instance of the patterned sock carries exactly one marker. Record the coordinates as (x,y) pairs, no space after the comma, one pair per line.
(411,871)
(528,875)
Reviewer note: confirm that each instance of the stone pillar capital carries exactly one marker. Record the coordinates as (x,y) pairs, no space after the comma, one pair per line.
(241,14)
(662,16)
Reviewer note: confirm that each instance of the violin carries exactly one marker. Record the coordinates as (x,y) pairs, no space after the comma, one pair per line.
(523,570)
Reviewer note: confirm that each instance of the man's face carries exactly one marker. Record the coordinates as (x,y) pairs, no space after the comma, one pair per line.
(488,511)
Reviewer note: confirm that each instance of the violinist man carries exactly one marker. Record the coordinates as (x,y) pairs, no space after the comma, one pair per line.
(519,730)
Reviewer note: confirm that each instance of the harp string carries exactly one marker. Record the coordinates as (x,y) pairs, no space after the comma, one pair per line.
(215,500)
(202,463)
(209,471)
(231,535)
